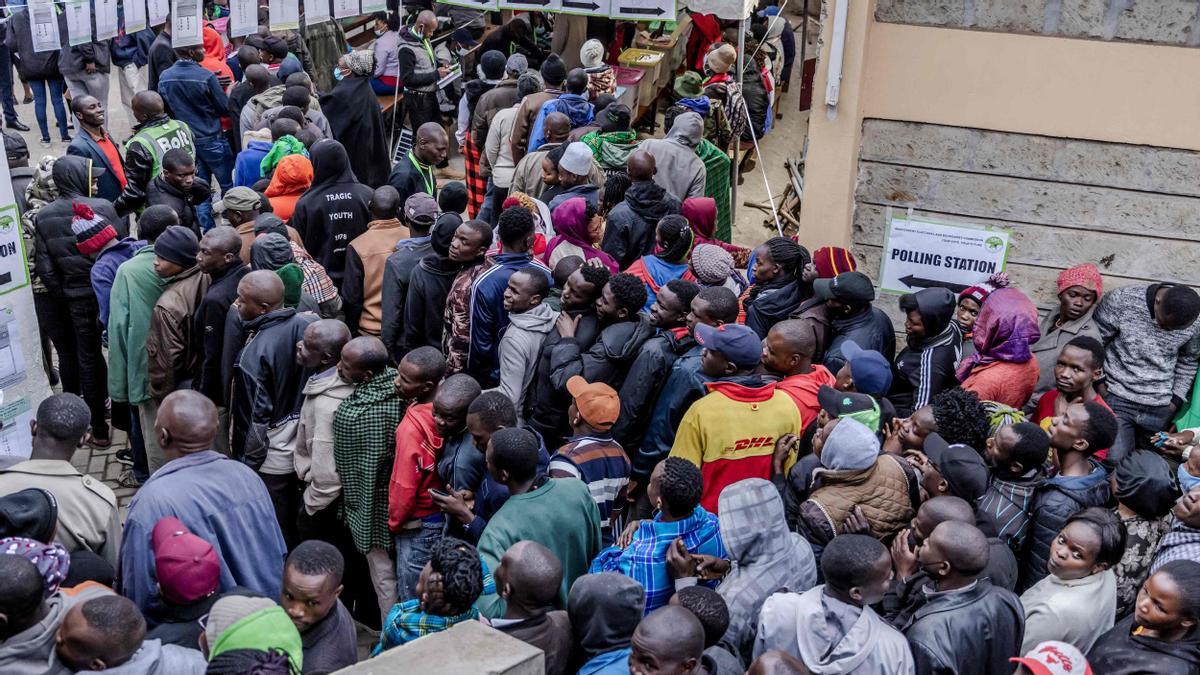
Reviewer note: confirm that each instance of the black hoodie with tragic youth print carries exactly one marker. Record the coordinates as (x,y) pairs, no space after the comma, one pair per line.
(333,211)
(926,365)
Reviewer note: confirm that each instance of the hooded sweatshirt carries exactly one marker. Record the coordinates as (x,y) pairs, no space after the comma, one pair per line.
(323,393)
(31,652)
(333,211)
(292,177)
(604,609)
(575,106)
(830,636)
(680,170)
(155,658)
(768,556)
(926,366)
(265,629)
(520,348)
(629,232)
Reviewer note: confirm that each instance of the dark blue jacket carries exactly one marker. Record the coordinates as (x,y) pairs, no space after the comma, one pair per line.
(684,386)
(574,106)
(488,318)
(247,168)
(131,48)
(107,185)
(1057,500)
(194,97)
(104,271)
(463,467)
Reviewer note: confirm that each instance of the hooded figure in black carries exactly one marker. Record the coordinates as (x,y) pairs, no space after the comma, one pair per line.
(629,232)
(334,209)
(778,287)
(428,286)
(604,610)
(926,365)
(356,122)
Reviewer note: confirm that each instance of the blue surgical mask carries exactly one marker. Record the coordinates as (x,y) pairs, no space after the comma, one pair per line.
(337,73)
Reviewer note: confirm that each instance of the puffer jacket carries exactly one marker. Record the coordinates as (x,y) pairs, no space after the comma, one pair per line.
(646,377)
(268,386)
(629,232)
(546,404)
(607,361)
(57,260)
(972,631)
(926,366)
(1058,499)
(174,344)
(887,493)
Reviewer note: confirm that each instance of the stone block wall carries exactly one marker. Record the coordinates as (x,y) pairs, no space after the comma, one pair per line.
(1171,22)
(1132,210)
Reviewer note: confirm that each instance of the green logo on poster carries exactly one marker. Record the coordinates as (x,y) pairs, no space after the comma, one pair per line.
(993,243)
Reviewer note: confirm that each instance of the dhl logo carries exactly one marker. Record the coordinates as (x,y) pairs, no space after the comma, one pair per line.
(757,442)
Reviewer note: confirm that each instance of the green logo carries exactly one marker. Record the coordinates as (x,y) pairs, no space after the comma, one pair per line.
(993,243)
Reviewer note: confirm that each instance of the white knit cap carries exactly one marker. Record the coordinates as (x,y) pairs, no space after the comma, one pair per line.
(591,54)
(577,159)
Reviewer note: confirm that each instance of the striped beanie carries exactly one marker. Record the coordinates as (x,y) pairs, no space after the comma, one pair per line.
(91,231)
(831,261)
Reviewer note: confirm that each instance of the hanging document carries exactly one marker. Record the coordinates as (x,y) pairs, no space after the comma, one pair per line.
(316,11)
(243,18)
(345,8)
(135,16)
(106,19)
(79,22)
(284,15)
(44,25)
(157,9)
(186,24)
(372,6)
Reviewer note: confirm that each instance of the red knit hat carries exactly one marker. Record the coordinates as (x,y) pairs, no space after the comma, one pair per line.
(981,292)
(91,231)
(831,261)
(1086,275)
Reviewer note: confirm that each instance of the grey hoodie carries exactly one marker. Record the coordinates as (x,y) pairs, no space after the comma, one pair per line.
(830,636)
(31,652)
(521,349)
(155,658)
(323,393)
(680,170)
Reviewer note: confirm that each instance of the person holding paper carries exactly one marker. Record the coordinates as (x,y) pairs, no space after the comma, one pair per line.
(419,71)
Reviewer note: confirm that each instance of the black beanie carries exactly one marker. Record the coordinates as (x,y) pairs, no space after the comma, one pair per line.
(492,64)
(179,245)
(554,71)
(31,513)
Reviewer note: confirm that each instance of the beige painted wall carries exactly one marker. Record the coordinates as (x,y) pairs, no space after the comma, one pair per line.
(1105,91)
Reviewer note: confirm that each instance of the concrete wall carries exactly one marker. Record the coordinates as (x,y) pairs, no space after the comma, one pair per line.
(468,647)
(1171,22)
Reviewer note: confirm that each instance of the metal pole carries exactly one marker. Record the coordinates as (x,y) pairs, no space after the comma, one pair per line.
(737,142)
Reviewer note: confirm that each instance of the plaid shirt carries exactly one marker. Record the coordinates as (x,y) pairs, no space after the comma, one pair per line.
(645,560)
(406,622)
(316,282)
(364,447)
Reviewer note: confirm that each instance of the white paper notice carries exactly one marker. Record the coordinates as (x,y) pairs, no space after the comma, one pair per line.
(79,22)
(134,15)
(919,253)
(316,11)
(586,7)
(243,17)
(372,6)
(285,15)
(16,436)
(157,9)
(44,24)
(186,24)
(12,361)
(345,8)
(106,19)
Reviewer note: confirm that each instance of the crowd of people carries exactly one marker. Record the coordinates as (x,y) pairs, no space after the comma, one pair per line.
(363,398)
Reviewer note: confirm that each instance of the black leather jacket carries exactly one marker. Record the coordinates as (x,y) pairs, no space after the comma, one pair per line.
(972,631)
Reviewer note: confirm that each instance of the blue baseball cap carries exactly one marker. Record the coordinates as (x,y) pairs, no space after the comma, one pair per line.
(737,343)
(871,371)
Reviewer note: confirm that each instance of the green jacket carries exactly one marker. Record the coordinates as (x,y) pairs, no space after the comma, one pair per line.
(135,290)
(262,630)
(364,449)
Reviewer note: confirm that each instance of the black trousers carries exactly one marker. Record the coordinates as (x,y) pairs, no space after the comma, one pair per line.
(285,492)
(73,325)
(358,594)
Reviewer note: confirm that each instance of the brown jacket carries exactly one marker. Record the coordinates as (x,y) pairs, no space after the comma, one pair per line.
(885,492)
(248,237)
(527,114)
(527,176)
(173,345)
(362,285)
(503,95)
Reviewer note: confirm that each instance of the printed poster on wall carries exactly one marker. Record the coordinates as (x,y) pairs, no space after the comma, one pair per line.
(643,10)
(345,8)
(532,5)
(79,22)
(44,25)
(243,17)
(316,11)
(135,15)
(106,19)
(157,11)
(919,253)
(284,15)
(187,23)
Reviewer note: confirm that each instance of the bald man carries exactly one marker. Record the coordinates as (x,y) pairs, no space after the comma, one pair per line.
(364,432)
(777,663)
(419,71)
(153,134)
(967,625)
(414,172)
(268,389)
(528,579)
(527,176)
(319,351)
(669,641)
(788,353)
(218,499)
(630,231)
(220,258)
(366,258)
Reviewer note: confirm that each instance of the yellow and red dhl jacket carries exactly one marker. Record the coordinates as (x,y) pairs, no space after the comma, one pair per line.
(730,434)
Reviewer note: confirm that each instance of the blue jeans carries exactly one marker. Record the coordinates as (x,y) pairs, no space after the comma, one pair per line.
(485,212)
(1135,421)
(414,548)
(57,87)
(214,160)
(141,466)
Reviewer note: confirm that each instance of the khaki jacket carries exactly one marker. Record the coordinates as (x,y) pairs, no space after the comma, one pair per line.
(173,345)
(362,285)
(323,393)
(88,518)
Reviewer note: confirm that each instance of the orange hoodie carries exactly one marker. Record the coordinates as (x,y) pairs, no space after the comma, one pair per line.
(214,55)
(292,177)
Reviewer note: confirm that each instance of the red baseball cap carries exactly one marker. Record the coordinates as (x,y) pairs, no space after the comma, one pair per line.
(186,566)
(1054,658)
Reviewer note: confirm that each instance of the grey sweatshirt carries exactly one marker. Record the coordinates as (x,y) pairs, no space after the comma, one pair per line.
(520,349)
(1143,362)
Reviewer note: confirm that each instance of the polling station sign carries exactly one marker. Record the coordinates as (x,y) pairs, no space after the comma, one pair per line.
(920,254)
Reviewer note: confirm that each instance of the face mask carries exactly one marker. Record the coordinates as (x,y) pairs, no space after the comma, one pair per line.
(337,73)
(379,32)
(462,51)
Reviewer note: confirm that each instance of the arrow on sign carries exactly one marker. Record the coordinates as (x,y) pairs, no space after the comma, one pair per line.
(918,282)
(534,2)
(581,5)
(642,10)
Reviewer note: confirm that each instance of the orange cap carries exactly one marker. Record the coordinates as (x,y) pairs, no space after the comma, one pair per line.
(598,403)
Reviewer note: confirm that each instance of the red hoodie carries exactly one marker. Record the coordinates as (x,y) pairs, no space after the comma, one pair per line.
(415,470)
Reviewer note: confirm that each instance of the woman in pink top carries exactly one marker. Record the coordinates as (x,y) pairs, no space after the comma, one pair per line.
(1003,369)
